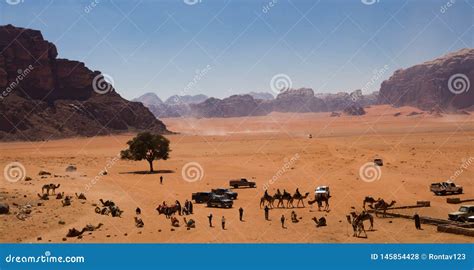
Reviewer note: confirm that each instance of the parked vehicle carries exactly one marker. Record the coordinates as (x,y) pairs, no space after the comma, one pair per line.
(470,219)
(462,215)
(443,188)
(226,192)
(242,182)
(322,190)
(201,197)
(220,201)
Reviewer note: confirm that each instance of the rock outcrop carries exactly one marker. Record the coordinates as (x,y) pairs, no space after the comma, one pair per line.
(446,82)
(44,97)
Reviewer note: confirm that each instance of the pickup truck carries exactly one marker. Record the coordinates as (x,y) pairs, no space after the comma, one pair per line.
(225,192)
(443,188)
(201,197)
(242,183)
(463,214)
(220,201)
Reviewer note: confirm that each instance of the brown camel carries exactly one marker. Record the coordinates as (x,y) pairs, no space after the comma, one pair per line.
(48,187)
(285,196)
(299,198)
(382,205)
(266,198)
(364,216)
(370,201)
(320,198)
(357,225)
(43,196)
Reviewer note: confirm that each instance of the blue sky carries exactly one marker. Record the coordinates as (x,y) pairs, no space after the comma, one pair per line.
(330,46)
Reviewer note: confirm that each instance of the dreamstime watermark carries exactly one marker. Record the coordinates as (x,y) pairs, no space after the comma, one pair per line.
(370,172)
(103,84)
(91,6)
(466,163)
(458,83)
(14,2)
(14,172)
(266,8)
(46,258)
(200,74)
(109,164)
(446,6)
(280,83)
(288,163)
(192,172)
(377,75)
(192,2)
(369,2)
(22,74)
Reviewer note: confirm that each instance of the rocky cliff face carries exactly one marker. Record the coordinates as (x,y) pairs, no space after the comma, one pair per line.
(446,82)
(43,97)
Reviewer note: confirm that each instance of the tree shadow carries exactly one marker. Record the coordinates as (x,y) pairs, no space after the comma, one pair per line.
(148,172)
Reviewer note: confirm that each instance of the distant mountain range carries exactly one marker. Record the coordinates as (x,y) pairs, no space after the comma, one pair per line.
(254,104)
(441,85)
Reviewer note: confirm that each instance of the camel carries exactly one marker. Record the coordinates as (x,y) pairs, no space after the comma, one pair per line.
(285,196)
(190,223)
(266,198)
(382,205)
(320,198)
(370,201)
(319,222)
(364,216)
(168,210)
(43,196)
(81,196)
(75,233)
(357,225)
(48,187)
(139,222)
(107,203)
(299,198)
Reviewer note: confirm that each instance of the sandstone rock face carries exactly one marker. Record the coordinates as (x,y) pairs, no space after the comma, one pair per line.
(428,85)
(233,106)
(42,97)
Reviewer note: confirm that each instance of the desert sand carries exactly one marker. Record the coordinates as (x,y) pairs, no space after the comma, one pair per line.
(417,150)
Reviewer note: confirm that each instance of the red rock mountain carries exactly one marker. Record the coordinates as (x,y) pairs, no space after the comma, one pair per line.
(43,97)
(446,83)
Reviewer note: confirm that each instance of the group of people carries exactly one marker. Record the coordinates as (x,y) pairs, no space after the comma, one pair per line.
(223,219)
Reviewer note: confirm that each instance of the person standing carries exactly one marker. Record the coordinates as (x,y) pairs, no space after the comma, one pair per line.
(266,212)
(210,220)
(416,217)
(161,179)
(282,219)
(241,214)
(190,207)
(223,222)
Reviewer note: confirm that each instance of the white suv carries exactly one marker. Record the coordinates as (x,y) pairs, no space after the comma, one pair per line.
(322,190)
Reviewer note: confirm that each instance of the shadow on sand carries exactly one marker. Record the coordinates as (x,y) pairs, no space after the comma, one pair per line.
(148,172)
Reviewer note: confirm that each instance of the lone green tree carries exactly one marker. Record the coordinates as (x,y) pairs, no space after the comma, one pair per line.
(147,146)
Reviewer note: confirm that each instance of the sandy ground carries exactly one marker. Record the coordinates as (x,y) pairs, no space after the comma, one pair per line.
(417,150)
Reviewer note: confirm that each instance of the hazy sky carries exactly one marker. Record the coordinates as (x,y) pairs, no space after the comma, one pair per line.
(222,47)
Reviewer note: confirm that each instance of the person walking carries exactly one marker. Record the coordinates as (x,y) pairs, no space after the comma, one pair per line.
(161,179)
(210,220)
(416,217)
(282,219)
(266,212)
(223,222)
(241,214)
